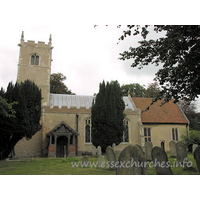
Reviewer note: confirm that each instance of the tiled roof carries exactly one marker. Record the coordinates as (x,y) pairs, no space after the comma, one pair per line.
(78,101)
(169,113)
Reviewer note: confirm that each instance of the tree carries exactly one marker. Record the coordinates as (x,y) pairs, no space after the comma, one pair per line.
(152,90)
(193,137)
(178,52)
(191,114)
(107,115)
(135,90)
(27,116)
(6,109)
(57,86)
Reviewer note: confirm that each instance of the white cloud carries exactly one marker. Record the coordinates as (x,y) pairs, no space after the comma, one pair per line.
(84,54)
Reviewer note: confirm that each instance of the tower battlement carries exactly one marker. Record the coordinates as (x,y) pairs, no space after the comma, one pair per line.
(33,43)
(35,64)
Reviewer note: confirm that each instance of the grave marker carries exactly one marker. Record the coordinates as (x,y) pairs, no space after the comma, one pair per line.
(133,160)
(181,151)
(111,157)
(160,160)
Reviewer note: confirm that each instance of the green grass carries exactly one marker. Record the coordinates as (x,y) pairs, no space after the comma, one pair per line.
(58,166)
(180,170)
(51,166)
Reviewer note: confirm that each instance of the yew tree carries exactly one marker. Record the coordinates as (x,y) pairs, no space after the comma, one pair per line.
(107,115)
(23,121)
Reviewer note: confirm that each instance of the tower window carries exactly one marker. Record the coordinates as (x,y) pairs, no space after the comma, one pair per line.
(34,59)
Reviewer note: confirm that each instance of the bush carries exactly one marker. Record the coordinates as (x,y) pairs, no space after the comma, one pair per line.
(193,137)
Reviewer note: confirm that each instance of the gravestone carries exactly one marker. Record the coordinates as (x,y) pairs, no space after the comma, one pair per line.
(113,146)
(101,161)
(172,146)
(84,161)
(133,160)
(160,161)
(194,146)
(148,148)
(111,157)
(197,157)
(94,151)
(98,151)
(181,151)
(137,145)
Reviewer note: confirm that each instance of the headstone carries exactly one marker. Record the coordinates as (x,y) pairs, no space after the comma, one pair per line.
(101,161)
(194,146)
(148,148)
(111,157)
(113,146)
(172,146)
(181,151)
(197,157)
(131,161)
(98,151)
(94,151)
(84,161)
(137,145)
(160,160)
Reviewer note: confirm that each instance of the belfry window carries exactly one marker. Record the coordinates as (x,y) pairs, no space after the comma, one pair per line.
(34,59)
(125,137)
(88,130)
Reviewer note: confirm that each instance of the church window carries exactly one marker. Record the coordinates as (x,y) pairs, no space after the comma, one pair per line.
(147,134)
(88,130)
(125,137)
(34,59)
(175,134)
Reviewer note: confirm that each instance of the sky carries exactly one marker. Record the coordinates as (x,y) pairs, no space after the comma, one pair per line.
(84,54)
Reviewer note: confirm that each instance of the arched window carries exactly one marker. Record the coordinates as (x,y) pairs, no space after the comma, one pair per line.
(125,137)
(88,131)
(34,59)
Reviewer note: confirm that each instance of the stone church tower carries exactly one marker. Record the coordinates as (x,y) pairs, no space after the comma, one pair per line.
(35,64)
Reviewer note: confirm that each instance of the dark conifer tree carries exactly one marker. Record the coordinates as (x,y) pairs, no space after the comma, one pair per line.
(107,115)
(27,117)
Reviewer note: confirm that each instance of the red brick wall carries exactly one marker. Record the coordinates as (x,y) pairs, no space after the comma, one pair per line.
(52,148)
(72,150)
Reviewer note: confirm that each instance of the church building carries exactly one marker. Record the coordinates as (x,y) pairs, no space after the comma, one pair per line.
(66,119)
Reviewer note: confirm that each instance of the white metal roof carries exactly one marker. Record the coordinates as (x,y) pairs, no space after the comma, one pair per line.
(78,101)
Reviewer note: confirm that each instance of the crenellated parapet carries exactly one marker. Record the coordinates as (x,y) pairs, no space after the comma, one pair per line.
(32,43)
(67,110)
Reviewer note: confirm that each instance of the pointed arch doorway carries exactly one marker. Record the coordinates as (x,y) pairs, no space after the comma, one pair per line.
(63,141)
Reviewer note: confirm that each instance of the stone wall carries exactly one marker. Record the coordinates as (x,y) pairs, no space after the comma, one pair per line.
(29,148)
(163,133)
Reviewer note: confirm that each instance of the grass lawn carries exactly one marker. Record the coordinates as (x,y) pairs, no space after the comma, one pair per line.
(57,166)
